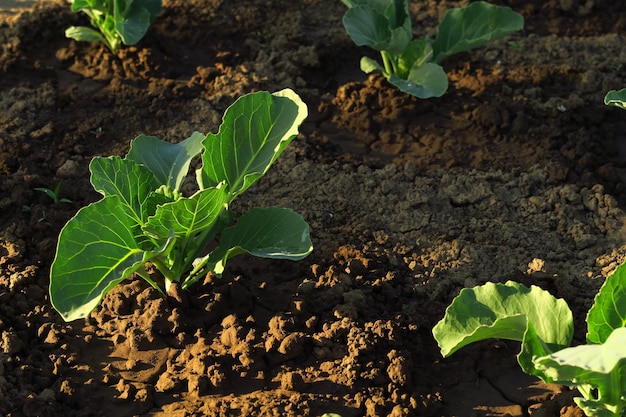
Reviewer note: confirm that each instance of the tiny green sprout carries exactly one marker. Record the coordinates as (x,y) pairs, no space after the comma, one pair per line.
(42,219)
(98,133)
(55,194)
(28,209)
(515,45)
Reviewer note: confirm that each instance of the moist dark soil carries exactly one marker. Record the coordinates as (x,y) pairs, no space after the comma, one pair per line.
(516,173)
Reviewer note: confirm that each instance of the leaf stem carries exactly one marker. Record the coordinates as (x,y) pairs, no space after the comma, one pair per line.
(388,63)
(167,272)
(202,241)
(143,274)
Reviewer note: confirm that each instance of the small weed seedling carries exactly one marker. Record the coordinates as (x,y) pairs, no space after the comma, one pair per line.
(98,133)
(28,209)
(55,194)
(144,217)
(114,22)
(413,65)
(43,217)
(544,326)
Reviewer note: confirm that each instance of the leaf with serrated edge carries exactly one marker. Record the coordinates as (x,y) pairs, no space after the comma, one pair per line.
(131,182)
(187,216)
(255,130)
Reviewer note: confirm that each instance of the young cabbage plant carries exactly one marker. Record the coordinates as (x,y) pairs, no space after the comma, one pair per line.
(144,216)
(544,326)
(114,22)
(616,98)
(413,65)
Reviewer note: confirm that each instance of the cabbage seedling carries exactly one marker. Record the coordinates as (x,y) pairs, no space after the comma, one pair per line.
(144,216)
(413,65)
(114,22)
(544,326)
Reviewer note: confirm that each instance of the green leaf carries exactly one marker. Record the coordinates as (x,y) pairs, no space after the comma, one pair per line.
(602,366)
(532,346)
(87,4)
(369,65)
(117,21)
(428,80)
(169,162)
(367,27)
(83,34)
(397,14)
(505,311)
(254,132)
(609,307)
(380,24)
(275,233)
(597,408)
(469,27)
(133,18)
(131,28)
(616,98)
(131,182)
(417,53)
(97,249)
(153,7)
(187,216)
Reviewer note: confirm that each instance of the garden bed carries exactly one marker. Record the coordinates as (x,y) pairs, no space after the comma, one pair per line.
(515,173)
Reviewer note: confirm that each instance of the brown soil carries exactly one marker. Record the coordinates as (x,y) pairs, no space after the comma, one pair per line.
(516,173)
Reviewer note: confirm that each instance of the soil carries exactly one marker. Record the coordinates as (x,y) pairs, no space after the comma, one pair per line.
(517,172)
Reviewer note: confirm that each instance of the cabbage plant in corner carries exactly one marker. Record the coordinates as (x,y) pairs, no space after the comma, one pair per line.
(144,216)
(412,65)
(544,326)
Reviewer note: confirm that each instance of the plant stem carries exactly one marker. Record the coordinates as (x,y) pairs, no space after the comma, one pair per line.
(202,242)
(143,274)
(388,63)
(167,273)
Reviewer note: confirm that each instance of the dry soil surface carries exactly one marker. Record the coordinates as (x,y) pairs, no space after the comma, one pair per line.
(515,173)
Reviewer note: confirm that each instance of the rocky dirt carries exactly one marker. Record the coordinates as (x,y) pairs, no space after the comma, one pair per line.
(516,173)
